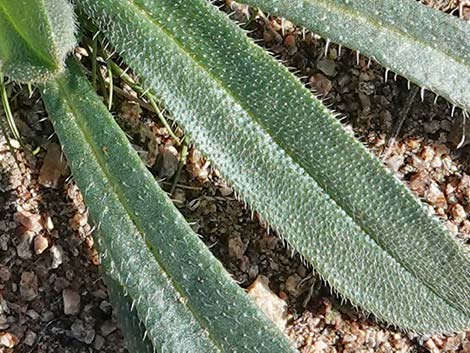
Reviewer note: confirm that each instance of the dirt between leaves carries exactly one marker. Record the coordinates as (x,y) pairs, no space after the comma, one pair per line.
(52,298)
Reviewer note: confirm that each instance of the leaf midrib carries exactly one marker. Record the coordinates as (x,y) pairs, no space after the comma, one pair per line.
(274,137)
(117,190)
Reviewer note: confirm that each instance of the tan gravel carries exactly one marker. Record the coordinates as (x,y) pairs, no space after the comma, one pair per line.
(51,295)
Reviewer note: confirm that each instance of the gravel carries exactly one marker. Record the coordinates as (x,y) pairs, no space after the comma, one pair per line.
(52,298)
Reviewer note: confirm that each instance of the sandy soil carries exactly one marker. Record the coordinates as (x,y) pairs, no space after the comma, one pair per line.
(51,296)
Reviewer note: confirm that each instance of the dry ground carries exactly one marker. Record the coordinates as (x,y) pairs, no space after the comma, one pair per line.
(51,296)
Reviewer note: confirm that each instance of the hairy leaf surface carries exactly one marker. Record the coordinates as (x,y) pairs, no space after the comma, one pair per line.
(285,153)
(181,293)
(430,48)
(131,326)
(36,36)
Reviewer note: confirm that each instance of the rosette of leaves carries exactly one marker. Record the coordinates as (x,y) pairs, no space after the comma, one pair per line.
(286,155)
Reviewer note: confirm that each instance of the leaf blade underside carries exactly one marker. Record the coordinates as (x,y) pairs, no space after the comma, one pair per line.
(292,161)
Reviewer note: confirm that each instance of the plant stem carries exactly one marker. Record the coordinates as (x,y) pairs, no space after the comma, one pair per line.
(7,139)
(147,95)
(181,164)
(94,58)
(8,113)
(110,85)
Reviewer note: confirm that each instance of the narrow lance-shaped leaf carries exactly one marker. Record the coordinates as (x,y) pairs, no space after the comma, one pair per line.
(428,47)
(359,227)
(36,36)
(181,293)
(131,326)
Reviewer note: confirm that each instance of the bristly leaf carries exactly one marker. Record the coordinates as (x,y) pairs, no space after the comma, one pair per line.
(132,328)
(285,153)
(182,295)
(428,47)
(36,36)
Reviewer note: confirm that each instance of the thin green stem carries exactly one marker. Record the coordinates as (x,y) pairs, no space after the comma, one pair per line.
(147,95)
(94,58)
(7,139)
(110,84)
(103,87)
(8,112)
(160,115)
(30,89)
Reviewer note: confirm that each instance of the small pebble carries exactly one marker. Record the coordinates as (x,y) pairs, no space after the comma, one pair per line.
(327,66)
(40,244)
(33,314)
(60,284)
(54,166)
(30,338)
(49,224)
(321,84)
(106,307)
(465,348)
(236,247)
(28,285)
(82,332)
(366,88)
(431,346)
(5,273)
(292,285)
(458,212)
(225,190)
(98,342)
(395,162)
(23,247)
(453,228)
(57,254)
(465,227)
(432,126)
(71,299)
(47,316)
(320,347)
(436,163)
(79,220)
(435,196)
(32,222)
(107,327)
(273,307)
(418,163)
(427,153)
(197,165)
(289,43)
(8,340)
(446,125)
(167,162)
(419,182)
(349,338)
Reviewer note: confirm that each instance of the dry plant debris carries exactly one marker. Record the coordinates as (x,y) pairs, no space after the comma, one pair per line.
(51,295)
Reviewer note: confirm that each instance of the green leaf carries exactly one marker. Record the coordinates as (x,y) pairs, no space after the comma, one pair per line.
(292,161)
(181,293)
(132,327)
(427,46)
(36,36)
